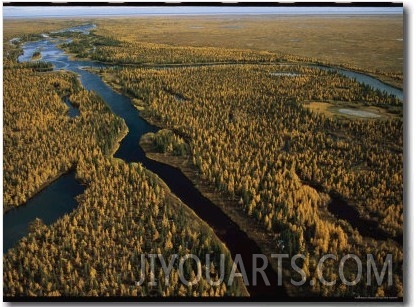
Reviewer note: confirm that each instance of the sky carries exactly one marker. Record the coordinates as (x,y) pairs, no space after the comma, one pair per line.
(57,11)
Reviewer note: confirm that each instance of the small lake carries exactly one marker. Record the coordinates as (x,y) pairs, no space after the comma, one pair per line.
(50,204)
(358,113)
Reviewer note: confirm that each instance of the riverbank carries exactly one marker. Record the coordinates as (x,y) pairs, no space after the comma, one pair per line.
(230,207)
(118,140)
(56,177)
(36,57)
(265,241)
(191,216)
(385,79)
(7,208)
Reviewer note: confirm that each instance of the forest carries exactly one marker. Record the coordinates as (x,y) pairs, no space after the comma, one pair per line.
(124,212)
(253,139)
(246,127)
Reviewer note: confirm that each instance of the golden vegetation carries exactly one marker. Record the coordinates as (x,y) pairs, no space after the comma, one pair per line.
(167,142)
(113,50)
(252,138)
(124,212)
(145,53)
(24,29)
(367,43)
(249,135)
(39,137)
(332,109)
(96,250)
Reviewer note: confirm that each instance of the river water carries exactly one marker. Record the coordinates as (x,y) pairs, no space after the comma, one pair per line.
(53,202)
(367,80)
(66,187)
(73,111)
(236,240)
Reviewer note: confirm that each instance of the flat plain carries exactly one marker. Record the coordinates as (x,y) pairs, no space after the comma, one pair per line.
(369,42)
(286,149)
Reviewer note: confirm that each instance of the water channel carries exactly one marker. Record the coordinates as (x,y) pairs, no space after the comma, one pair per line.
(66,187)
(236,240)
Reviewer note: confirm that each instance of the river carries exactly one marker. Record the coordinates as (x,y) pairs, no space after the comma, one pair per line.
(236,240)
(366,228)
(367,80)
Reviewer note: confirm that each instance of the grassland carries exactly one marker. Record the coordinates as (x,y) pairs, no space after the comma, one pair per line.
(338,109)
(370,43)
(20,27)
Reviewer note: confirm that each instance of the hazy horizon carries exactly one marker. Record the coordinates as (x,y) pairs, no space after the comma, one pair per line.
(93,11)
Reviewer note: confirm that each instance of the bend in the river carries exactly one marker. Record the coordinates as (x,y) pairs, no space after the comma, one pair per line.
(236,240)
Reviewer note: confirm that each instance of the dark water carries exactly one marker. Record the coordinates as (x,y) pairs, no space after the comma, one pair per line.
(73,110)
(235,239)
(340,208)
(53,202)
(367,228)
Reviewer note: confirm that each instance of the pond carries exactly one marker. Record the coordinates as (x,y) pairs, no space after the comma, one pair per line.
(73,111)
(359,113)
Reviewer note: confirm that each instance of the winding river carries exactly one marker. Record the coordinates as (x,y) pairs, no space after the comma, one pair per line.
(66,187)
(236,240)
(367,80)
